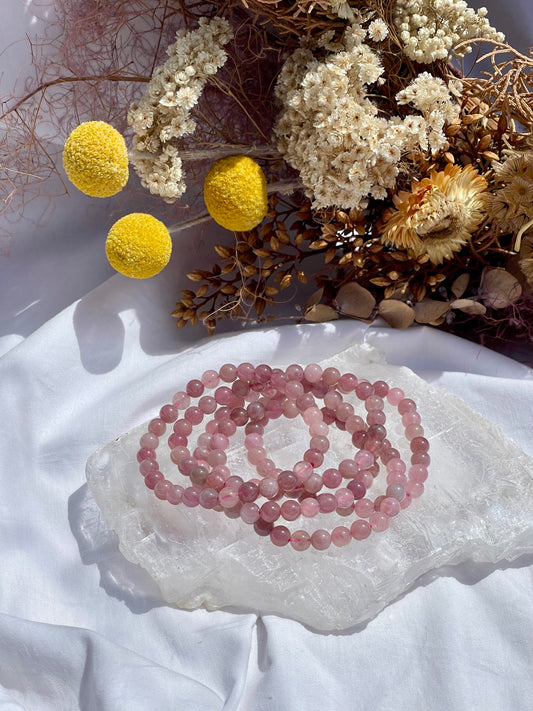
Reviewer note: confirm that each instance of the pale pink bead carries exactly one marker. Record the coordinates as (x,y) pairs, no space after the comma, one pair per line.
(355,424)
(253,440)
(211,427)
(305,401)
(223,395)
(175,494)
(396,465)
(374,403)
(191,496)
(222,470)
(411,418)
(215,481)
(208,498)
(145,453)
(378,521)
(341,536)
(397,478)
(365,478)
(313,373)
(313,484)
(418,473)
(201,454)
(268,487)
(161,489)
(364,459)
(290,510)
(278,379)
(330,376)
(186,465)
(311,415)
(390,506)
(320,539)
(256,454)
(321,444)
(319,429)
(204,440)
(255,411)
(249,512)
(395,396)
(207,404)
(414,489)
(182,427)
(344,411)
(309,507)
(210,378)
(147,465)
(300,540)
(157,426)
(265,467)
(294,389)
(178,453)
(234,481)
(216,457)
(181,400)
(396,491)
(228,497)
(364,507)
(290,409)
(348,468)
(360,530)
(345,498)
(332,399)
(327,503)
(246,371)
(331,478)
(295,372)
(228,372)
(219,441)
(413,431)
(303,471)
(150,440)
(347,383)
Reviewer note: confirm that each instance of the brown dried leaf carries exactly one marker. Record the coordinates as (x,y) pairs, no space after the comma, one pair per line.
(354,300)
(469,307)
(315,298)
(330,255)
(396,313)
(430,310)
(380,281)
(300,275)
(499,288)
(262,252)
(399,256)
(274,243)
(286,281)
(320,313)
(459,285)
(318,244)
(197,275)
(222,251)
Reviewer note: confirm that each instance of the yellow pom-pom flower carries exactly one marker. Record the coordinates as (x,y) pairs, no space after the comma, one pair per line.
(138,246)
(235,193)
(95,158)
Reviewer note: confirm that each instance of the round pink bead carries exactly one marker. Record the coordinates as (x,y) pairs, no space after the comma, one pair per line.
(179,453)
(268,487)
(341,536)
(290,409)
(347,383)
(312,414)
(381,388)
(150,440)
(357,488)
(313,373)
(348,468)
(152,478)
(330,376)
(161,489)
(157,426)
(194,415)
(327,503)
(364,390)
(290,510)
(412,431)
(419,444)
(208,498)
(320,539)
(319,429)
(376,417)
(223,395)
(406,405)
(313,484)
(147,465)
(411,418)
(280,535)
(331,478)
(227,427)
(210,379)
(175,494)
(228,497)
(379,521)
(303,471)
(270,511)
(295,372)
(420,458)
(360,530)
(418,473)
(228,372)
(365,478)
(309,507)
(355,424)
(182,427)
(300,540)
(345,498)
(249,512)
(374,403)
(390,506)
(266,467)
(145,453)
(246,371)
(344,411)
(294,389)
(364,507)
(256,454)
(414,489)
(364,459)
(396,465)
(396,491)
(181,400)
(195,388)
(207,404)
(191,497)
(320,444)
(216,457)
(314,457)
(395,396)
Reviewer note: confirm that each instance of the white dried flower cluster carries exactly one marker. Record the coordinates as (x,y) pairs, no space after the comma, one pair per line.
(378,30)
(162,114)
(431,96)
(430,29)
(332,133)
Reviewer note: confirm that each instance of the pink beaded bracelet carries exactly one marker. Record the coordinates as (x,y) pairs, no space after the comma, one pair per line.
(271,393)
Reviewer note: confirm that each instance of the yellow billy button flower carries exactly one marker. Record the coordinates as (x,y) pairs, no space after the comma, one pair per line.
(95,158)
(235,193)
(138,246)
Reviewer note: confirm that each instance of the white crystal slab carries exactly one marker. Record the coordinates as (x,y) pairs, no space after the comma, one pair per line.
(477,506)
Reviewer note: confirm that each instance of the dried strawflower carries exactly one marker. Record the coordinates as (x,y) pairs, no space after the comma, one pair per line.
(525,261)
(439,215)
(95,159)
(510,204)
(235,193)
(138,246)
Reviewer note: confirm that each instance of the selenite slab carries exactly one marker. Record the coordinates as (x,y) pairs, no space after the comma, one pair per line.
(477,506)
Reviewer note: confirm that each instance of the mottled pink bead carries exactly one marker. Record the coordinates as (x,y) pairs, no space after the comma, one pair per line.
(395,396)
(227,427)
(219,441)
(311,415)
(294,389)
(274,409)
(344,411)
(396,491)
(228,497)
(182,427)
(157,426)
(365,478)
(314,457)
(331,478)
(255,411)
(345,498)
(300,540)
(390,506)
(378,521)
(280,535)
(161,489)
(246,371)
(318,429)
(341,536)
(204,440)
(406,405)
(147,465)
(278,379)
(309,507)
(414,489)
(364,459)
(175,494)
(355,424)
(421,458)
(248,491)
(208,498)
(145,453)
(210,378)
(396,465)
(186,465)
(168,413)
(223,395)
(411,418)
(330,376)
(373,403)
(357,488)
(359,439)
(178,453)
(290,510)
(256,454)
(418,473)
(240,388)
(419,444)
(216,457)
(249,512)
(313,484)
(376,417)
(201,454)
(348,468)
(327,503)
(270,511)
(287,480)
(199,475)
(194,415)
(295,372)
(228,372)
(377,432)
(195,388)
(397,478)
(152,478)
(263,528)
(181,400)
(290,410)
(268,487)
(263,373)
(414,431)
(381,388)
(320,539)
(313,373)
(215,481)
(305,401)
(360,530)
(347,383)
(266,467)
(364,390)
(332,399)
(364,507)
(303,470)
(207,404)
(234,481)
(191,496)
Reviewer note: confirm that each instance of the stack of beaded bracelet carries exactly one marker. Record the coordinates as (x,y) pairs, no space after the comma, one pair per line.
(250,397)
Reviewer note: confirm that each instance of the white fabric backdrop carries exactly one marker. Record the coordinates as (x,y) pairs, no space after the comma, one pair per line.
(85,356)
